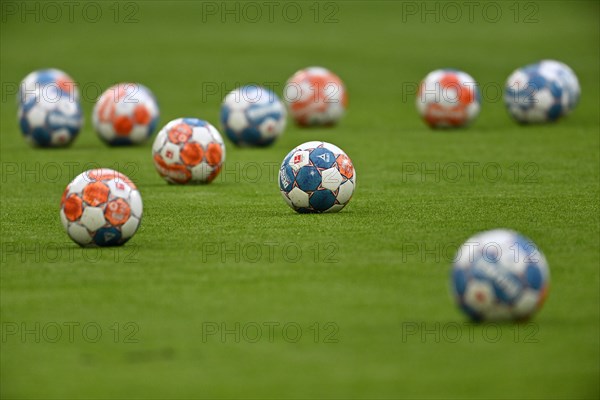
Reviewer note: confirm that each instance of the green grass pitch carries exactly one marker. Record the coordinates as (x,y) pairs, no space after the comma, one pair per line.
(224,292)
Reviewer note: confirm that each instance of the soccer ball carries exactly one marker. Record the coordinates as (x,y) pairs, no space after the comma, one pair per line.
(317,177)
(315,96)
(499,275)
(253,116)
(52,84)
(541,92)
(188,150)
(101,207)
(125,114)
(448,98)
(48,121)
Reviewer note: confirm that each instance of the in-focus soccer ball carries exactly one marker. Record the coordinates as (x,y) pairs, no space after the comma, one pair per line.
(101,207)
(315,96)
(125,114)
(448,98)
(253,116)
(541,92)
(499,275)
(188,150)
(50,120)
(50,83)
(317,177)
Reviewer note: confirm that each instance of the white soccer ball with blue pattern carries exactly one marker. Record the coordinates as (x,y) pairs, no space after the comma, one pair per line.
(253,116)
(499,275)
(51,83)
(317,177)
(541,92)
(50,121)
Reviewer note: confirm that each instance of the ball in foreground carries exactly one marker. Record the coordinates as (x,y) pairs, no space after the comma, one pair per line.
(541,92)
(126,114)
(448,98)
(253,116)
(316,96)
(50,119)
(188,150)
(317,177)
(101,207)
(499,275)
(49,83)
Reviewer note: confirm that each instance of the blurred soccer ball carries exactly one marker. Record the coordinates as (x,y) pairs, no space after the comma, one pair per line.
(101,207)
(50,119)
(253,116)
(125,114)
(50,83)
(448,98)
(317,177)
(499,275)
(188,150)
(315,96)
(541,92)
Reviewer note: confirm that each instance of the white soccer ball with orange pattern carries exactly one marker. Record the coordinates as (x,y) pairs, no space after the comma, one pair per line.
(188,150)
(126,114)
(101,207)
(316,96)
(448,98)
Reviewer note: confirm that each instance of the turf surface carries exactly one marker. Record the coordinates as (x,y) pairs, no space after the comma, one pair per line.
(353,305)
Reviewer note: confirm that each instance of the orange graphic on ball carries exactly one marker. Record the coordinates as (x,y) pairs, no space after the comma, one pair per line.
(117,212)
(95,193)
(73,207)
(180,133)
(214,154)
(191,154)
(345,166)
